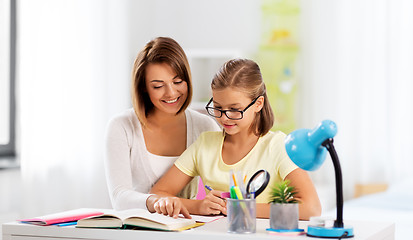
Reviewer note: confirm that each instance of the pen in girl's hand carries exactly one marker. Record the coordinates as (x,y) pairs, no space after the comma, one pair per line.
(223,194)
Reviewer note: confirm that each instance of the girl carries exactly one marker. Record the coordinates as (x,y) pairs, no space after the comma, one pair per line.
(240,104)
(143,142)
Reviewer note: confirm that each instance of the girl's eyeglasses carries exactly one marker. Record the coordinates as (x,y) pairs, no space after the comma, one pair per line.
(231,114)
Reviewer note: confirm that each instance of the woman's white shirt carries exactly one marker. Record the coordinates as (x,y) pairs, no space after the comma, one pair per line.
(129,170)
(160,164)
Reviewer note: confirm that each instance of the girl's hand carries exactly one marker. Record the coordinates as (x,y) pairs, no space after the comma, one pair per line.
(171,206)
(213,204)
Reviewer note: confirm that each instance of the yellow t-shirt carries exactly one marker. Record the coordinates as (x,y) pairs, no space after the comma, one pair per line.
(204,158)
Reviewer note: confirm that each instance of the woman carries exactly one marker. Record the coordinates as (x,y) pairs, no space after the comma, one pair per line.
(143,142)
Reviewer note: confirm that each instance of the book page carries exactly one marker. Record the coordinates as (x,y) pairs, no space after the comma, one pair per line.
(205,219)
(156,220)
(124,214)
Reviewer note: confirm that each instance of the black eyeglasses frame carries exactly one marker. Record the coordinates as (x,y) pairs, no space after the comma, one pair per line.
(225,111)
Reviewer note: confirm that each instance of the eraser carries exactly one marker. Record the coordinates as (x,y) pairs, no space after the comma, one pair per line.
(225,195)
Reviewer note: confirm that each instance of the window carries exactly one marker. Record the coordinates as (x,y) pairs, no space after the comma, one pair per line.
(7,77)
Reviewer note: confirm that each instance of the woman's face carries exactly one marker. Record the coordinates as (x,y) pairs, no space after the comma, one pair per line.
(165,89)
(233,99)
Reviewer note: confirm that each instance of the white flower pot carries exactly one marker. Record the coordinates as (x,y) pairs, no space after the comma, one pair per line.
(284,216)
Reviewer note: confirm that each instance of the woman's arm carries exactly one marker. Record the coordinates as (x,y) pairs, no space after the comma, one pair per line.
(165,201)
(307,195)
(117,165)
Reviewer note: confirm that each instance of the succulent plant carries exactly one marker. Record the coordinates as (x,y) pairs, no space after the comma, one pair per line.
(282,192)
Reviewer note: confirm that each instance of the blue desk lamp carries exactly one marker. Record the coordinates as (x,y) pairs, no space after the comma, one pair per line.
(307,148)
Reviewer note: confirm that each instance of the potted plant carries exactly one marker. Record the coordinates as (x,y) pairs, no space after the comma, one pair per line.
(284,206)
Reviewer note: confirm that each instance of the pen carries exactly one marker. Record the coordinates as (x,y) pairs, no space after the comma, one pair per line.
(235,181)
(223,195)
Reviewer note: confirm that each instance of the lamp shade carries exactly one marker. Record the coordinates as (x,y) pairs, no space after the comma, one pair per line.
(304,146)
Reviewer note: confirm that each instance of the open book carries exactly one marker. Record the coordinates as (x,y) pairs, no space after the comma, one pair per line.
(136,218)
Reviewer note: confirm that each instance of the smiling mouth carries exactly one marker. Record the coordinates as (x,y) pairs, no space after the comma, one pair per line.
(171,101)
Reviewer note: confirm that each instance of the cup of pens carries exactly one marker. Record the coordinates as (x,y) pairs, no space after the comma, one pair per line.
(241,215)
(241,206)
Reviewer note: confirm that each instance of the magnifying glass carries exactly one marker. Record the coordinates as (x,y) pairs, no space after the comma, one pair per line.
(257,183)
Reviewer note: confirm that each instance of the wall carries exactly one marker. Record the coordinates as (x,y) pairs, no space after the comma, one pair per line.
(210,32)
(196,24)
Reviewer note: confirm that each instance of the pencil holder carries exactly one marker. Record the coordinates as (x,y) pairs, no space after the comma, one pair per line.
(241,215)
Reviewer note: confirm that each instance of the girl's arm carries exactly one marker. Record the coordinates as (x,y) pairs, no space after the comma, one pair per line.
(307,195)
(166,203)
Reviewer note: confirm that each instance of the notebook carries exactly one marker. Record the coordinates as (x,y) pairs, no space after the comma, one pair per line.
(62,217)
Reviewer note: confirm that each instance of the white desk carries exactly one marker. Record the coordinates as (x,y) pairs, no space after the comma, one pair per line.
(214,230)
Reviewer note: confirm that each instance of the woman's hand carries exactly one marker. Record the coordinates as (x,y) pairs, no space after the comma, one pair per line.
(165,190)
(171,206)
(213,204)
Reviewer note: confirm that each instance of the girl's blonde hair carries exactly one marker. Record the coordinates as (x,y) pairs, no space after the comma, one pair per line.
(159,50)
(245,75)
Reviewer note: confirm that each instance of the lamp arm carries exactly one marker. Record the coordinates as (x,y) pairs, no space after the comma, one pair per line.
(339,182)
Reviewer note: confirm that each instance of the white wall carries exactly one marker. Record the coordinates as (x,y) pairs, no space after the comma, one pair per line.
(211,32)
(212,24)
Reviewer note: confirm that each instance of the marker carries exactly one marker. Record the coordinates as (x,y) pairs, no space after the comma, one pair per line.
(65,224)
(232,193)
(208,187)
(238,193)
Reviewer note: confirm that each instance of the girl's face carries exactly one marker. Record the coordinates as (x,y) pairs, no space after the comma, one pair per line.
(165,89)
(233,99)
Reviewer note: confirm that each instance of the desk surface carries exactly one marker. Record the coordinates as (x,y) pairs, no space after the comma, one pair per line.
(214,230)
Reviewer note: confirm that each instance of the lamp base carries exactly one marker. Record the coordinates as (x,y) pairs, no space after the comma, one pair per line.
(333,232)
